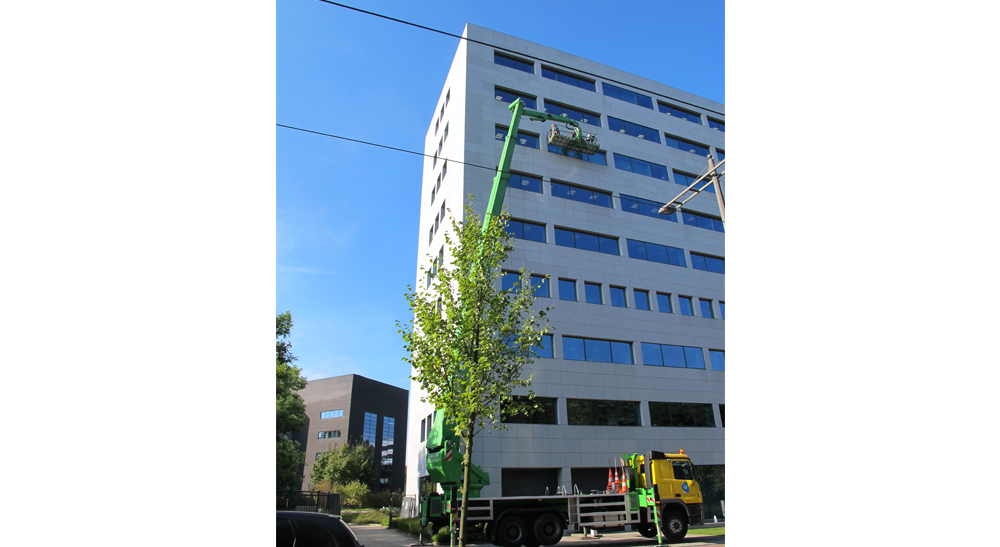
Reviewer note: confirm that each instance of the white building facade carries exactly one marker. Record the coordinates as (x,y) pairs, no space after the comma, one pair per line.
(637,358)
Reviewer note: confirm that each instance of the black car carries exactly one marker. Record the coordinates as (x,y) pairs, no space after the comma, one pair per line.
(299,529)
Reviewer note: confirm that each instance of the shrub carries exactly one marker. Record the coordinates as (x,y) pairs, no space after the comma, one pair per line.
(352,494)
(410,526)
(443,536)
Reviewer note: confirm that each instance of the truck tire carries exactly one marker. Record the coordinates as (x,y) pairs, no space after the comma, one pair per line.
(646,530)
(512,532)
(674,525)
(548,528)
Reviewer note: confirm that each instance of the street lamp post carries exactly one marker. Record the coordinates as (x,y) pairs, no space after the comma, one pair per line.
(713,174)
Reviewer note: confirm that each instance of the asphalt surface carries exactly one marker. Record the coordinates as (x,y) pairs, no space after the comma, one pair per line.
(373,535)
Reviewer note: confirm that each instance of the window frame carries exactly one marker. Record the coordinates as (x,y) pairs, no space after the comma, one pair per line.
(515,62)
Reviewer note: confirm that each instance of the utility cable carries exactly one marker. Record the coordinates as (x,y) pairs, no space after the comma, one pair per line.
(460,37)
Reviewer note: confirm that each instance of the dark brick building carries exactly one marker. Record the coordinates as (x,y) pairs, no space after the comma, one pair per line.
(355,408)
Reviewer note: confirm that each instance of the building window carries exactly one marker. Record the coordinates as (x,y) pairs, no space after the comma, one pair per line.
(514,62)
(655,253)
(370,429)
(331,414)
(522,229)
(437,125)
(686,307)
(525,182)
(706,308)
(716,124)
(543,413)
(679,113)
(634,129)
(663,303)
(437,219)
(681,414)
(599,351)
(596,412)
(587,242)
(666,355)
(388,431)
(329,434)
(444,169)
(627,96)
(544,352)
(430,424)
(722,414)
(592,292)
(430,235)
(641,299)
(506,96)
(423,432)
(597,157)
(686,145)
(511,281)
(523,139)
(568,78)
(722,311)
(685,179)
(443,211)
(718,359)
(708,263)
(640,167)
(645,207)
(618,297)
(583,195)
(567,290)
(444,138)
(703,221)
(541,285)
(447,97)
(572,113)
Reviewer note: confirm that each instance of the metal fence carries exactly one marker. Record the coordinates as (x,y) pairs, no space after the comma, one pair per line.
(318,502)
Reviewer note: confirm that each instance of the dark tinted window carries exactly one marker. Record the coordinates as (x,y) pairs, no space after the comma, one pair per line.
(633,129)
(706,308)
(573,348)
(511,281)
(541,284)
(523,139)
(685,303)
(718,359)
(628,96)
(546,350)
(595,412)
(640,167)
(567,290)
(703,221)
(520,229)
(645,207)
(663,303)
(686,145)
(525,182)
(593,293)
(618,297)
(509,97)
(641,299)
(679,113)
(708,263)
(583,195)
(715,124)
(656,253)
(601,351)
(515,63)
(668,355)
(568,78)
(314,534)
(588,242)
(685,179)
(572,113)
(544,413)
(681,415)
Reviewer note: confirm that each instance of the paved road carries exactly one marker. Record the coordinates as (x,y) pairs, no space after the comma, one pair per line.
(373,535)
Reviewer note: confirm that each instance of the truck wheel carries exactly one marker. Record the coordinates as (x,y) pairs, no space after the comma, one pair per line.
(646,530)
(512,532)
(674,525)
(548,528)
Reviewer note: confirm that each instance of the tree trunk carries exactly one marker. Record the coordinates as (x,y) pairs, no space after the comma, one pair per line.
(466,476)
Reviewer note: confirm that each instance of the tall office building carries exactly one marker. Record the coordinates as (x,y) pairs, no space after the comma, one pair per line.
(637,358)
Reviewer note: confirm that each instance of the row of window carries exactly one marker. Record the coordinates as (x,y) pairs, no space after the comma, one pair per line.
(438,220)
(616,413)
(329,434)
(593,294)
(331,414)
(621,161)
(599,243)
(609,90)
(630,204)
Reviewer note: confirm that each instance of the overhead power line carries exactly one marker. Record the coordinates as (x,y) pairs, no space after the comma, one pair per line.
(384,146)
(460,37)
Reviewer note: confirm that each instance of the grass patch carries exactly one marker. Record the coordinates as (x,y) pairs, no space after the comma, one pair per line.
(365,517)
(720,531)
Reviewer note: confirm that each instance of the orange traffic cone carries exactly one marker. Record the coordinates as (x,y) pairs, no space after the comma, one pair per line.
(610,481)
(617,484)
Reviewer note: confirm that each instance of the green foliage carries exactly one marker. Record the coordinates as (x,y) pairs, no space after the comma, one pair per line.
(468,341)
(290,460)
(443,536)
(345,463)
(712,480)
(366,517)
(290,408)
(410,526)
(352,494)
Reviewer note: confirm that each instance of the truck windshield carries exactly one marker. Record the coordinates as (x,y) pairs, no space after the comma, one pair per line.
(683,471)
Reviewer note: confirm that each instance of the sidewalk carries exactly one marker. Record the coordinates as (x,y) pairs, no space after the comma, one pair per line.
(373,535)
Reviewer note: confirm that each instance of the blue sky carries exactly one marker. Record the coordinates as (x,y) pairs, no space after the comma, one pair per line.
(347,213)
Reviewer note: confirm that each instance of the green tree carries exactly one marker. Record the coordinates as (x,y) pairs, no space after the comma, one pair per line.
(290,407)
(469,341)
(345,463)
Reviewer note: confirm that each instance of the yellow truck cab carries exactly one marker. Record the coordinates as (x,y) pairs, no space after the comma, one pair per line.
(673,488)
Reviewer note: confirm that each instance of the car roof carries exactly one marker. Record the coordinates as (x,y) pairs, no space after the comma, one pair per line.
(308,515)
